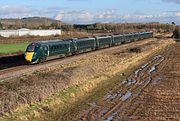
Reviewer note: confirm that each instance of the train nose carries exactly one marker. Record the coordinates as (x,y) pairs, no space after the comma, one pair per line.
(29,56)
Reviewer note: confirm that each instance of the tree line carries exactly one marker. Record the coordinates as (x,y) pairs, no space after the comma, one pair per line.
(96,27)
(120,27)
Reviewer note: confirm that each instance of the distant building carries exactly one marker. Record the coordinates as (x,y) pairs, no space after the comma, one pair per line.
(24,32)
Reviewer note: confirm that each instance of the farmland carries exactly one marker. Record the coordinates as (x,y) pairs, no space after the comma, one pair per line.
(12,48)
(76,90)
(90,60)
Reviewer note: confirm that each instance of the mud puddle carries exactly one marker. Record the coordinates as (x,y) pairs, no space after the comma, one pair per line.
(113,103)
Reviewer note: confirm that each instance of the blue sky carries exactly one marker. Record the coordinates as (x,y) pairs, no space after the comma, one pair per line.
(90,11)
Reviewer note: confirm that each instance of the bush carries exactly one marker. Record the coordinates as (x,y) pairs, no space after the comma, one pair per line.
(176,33)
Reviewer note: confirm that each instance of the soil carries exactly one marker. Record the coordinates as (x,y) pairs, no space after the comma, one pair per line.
(40,85)
(151,93)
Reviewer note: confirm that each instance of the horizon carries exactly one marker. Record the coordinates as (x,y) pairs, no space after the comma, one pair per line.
(91,11)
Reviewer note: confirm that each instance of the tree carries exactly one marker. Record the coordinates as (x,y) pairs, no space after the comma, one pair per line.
(173,23)
(53,25)
(1,25)
(176,33)
(90,27)
(98,26)
(67,27)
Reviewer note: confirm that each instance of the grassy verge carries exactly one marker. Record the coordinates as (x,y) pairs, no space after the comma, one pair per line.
(66,104)
(12,48)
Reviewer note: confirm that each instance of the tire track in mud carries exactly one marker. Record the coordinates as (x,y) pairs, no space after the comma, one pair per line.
(159,101)
(112,105)
(164,99)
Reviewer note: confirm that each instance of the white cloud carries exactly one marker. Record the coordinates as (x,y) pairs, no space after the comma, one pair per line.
(82,16)
(105,14)
(85,16)
(137,17)
(164,17)
(7,11)
(177,14)
(60,15)
(174,1)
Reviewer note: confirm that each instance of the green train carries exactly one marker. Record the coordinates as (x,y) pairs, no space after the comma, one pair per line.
(41,51)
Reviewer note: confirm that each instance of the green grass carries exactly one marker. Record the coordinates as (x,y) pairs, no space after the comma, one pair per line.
(12,48)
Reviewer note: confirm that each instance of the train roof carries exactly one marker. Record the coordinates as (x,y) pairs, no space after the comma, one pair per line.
(70,39)
(50,41)
(86,38)
(118,35)
(104,36)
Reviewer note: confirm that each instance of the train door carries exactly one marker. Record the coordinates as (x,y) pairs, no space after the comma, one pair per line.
(45,51)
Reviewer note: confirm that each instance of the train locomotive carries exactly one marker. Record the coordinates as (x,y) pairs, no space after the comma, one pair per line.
(41,51)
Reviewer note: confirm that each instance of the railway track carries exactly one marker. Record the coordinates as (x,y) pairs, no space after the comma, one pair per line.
(113,104)
(20,70)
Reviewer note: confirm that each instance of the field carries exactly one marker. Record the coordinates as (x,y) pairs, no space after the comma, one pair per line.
(12,48)
(151,93)
(78,90)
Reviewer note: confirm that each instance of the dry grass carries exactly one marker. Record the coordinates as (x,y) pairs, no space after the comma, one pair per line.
(81,77)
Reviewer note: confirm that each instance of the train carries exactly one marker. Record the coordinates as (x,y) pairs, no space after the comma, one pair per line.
(42,51)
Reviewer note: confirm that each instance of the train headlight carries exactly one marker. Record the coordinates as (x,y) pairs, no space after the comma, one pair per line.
(29,56)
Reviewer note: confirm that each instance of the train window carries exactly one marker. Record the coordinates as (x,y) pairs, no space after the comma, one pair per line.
(45,48)
(62,46)
(30,48)
(51,47)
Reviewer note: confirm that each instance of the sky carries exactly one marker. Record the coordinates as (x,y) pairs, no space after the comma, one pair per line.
(92,11)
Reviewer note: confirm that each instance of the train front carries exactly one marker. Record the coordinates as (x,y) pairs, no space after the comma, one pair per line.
(31,53)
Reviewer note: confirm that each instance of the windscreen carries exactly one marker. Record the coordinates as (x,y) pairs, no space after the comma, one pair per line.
(31,48)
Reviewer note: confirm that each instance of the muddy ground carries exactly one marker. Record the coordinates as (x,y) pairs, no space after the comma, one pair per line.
(40,85)
(151,93)
(161,100)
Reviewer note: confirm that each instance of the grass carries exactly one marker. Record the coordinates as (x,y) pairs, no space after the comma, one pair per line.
(65,106)
(68,104)
(64,103)
(13,48)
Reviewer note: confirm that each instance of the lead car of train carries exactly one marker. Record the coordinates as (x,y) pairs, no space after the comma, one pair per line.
(41,51)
